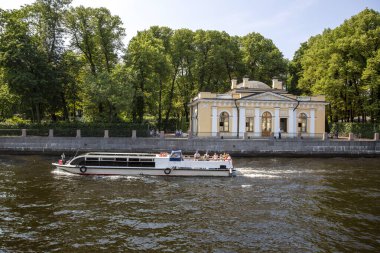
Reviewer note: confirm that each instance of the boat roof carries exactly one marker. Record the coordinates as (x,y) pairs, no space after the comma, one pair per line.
(107,154)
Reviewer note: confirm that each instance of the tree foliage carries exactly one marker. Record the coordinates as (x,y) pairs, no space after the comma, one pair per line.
(24,63)
(58,61)
(343,64)
(170,67)
(262,58)
(61,61)
(97,36)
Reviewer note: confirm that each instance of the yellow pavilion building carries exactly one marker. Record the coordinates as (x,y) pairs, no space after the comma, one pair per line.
(253,109)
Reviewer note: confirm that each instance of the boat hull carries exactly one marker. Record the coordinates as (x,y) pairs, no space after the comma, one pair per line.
(95,170)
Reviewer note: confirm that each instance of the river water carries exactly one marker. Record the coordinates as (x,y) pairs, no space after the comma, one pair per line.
(276,204)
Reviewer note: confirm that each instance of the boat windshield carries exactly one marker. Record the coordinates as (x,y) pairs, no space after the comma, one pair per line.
(176,155)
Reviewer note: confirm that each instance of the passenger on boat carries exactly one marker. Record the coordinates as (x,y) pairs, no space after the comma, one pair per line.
(215,157)
(206,156)
(197,156)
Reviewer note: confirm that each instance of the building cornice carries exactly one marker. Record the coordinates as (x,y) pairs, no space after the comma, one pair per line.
(257,103)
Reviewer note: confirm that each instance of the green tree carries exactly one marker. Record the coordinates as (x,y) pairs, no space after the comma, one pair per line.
(45,21)
(183,50)
(262,58)
(97,35)
(37,44)
(109,89)
(147,64)
(371,78)
(162,70)
(24,63)
(295,70)
(71,72)
(8,101)
(335,63)
(213,60)
(164,66)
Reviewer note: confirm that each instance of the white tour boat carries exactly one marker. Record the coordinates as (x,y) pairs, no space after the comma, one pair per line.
(163,164)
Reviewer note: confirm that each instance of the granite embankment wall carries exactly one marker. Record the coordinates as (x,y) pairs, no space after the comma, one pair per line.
(250,147)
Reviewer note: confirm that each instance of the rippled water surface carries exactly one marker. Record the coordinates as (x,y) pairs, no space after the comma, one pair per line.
(276,204)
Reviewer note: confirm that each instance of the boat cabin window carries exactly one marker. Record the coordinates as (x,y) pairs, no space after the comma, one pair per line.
(114,162)
(120,162)
(108,159)
(176,155)
(141,162)
(78,161)
(92,161)
(146,160)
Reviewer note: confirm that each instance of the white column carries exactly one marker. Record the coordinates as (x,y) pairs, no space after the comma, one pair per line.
(291,122)
(295,122)
(234,121)
(194,121)
(194,125)
(276,121)
(257,121)
(191,120)
(312,122)
(241,122)
(214,120)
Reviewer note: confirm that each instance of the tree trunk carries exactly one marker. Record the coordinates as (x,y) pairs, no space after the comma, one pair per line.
(186,110)
(75,110)
(31,109)
(159,123)
(65,110)
(38,113)
(330,114)
(171,94)
(110,112)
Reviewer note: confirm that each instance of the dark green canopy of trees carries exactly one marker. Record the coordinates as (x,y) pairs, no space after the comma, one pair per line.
(343,64)
(57,60)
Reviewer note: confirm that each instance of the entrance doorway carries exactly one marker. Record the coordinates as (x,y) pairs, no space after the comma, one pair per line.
(266,126)
(284,125)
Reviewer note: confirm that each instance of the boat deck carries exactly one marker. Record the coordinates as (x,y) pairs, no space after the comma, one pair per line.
(119,154)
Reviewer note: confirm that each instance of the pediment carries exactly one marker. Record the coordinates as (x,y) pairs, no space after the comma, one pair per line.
(267,96)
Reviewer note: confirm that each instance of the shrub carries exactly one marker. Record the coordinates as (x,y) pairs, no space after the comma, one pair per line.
(16,120)
(362,130)
(68,129)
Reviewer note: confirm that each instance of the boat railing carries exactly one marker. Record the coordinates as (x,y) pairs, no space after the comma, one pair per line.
(207,158)
(120,154)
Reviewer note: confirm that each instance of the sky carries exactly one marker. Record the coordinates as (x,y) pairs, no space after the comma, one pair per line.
(287,23)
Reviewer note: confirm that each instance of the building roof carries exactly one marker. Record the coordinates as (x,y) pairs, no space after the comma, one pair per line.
(254,85)
(256,91)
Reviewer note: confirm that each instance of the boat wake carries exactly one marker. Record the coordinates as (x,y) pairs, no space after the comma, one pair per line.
(62,173)
(260,175)
(59,172)
(263,173)
(119,177)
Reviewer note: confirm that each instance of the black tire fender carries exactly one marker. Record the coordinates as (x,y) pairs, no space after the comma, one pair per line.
(83,169)
(167,171)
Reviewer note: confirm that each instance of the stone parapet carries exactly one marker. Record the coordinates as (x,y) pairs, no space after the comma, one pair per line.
(240,147)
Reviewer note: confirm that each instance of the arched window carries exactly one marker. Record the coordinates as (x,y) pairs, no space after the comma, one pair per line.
(249,124)
(266,126)
(302,123)
(224,122)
